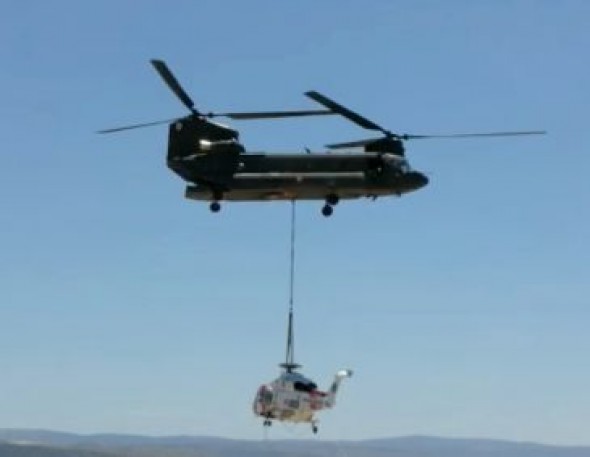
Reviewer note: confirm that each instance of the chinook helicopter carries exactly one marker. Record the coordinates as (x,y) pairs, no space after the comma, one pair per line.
(216,166)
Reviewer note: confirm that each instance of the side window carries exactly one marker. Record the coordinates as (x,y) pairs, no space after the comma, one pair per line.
(292,404)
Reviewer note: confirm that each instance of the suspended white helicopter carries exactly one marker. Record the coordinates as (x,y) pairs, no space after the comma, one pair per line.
(294,398)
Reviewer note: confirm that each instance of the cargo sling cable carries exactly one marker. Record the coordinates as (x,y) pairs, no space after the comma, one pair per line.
(293,397)
(290,364)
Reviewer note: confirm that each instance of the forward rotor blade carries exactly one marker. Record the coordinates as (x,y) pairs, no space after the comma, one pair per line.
(271,114)
(473,135)
(136,126)
(351,115)
(365,142)
(353,144)
(173,84)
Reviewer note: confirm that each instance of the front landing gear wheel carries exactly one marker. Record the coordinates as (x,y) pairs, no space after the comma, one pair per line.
(215,207)
(327,210)
(314,429)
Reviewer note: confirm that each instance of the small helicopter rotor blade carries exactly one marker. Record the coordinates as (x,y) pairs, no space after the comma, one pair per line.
(173,84)
(474,135)
(136,126)
(353,144)
(271,114)
(351,115)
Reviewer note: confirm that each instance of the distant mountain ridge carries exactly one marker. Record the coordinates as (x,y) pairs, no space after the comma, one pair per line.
(46,443)
(36,450)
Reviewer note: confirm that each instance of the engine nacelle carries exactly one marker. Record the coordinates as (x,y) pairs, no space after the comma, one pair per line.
(220,146)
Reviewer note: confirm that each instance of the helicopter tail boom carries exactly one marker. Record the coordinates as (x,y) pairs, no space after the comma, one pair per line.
(330,400)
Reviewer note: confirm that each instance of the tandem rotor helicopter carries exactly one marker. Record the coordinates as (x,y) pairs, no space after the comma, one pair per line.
(216,166)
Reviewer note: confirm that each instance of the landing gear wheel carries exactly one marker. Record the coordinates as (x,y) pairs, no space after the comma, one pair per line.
(267,423)
(215,207)
(332,199)
(327,210)
(314,429)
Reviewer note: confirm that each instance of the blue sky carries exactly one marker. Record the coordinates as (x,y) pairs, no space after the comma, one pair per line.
(463,308)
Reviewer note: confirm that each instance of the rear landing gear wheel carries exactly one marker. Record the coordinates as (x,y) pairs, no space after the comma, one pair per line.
(327,210)
(314,428)
(332,199)
(217,196)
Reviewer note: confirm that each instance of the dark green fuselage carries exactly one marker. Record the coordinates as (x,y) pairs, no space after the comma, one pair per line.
(209,157)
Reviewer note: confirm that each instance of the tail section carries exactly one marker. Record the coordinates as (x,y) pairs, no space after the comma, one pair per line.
(330,400)
(191,135)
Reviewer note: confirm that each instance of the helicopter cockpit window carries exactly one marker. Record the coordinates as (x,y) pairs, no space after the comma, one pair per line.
(304,386)
(267,397)
(404,166)
(397,162)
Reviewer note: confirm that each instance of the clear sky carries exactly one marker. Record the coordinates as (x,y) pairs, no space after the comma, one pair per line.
(463,308)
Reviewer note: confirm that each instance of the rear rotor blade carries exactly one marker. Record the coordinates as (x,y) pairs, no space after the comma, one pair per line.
(236,116)
(136,126)
(173,84)
(351,115)
(271,114)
